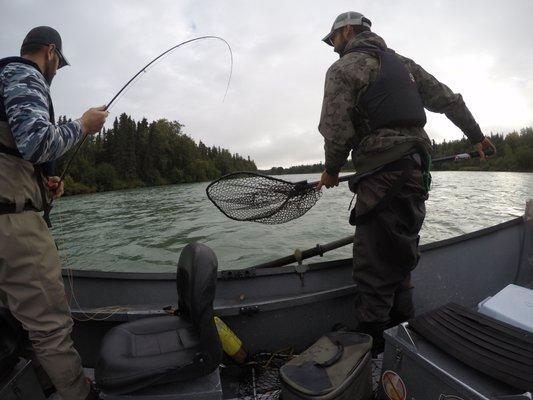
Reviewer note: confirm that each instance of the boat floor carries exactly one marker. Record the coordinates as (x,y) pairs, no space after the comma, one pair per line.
(246,384)
(267,386)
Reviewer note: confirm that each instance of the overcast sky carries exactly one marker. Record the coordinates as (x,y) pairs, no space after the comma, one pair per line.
(482,49)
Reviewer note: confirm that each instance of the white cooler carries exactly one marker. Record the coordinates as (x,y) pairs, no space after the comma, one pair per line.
(513,305)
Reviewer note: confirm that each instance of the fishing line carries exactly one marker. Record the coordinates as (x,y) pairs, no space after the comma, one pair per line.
(134,79)
(108,312)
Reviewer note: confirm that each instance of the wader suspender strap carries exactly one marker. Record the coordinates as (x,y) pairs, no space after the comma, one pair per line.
(10,151)
(46,205)
(406,165)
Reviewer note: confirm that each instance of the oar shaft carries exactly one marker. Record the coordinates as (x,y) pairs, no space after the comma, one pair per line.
(312,252)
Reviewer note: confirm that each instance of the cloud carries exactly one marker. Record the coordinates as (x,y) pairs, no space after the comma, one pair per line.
(479,48)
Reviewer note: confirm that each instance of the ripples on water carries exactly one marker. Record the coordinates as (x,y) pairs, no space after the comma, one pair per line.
(145,229)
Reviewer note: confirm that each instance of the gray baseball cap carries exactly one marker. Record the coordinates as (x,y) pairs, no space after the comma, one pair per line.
(45,35)
(344,19)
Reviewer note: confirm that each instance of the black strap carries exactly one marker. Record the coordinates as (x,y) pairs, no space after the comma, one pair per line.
(336,357)
(11,208)
(10,151)
(406,165)
(47,207)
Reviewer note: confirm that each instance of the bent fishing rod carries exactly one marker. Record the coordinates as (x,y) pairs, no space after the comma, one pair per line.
(134,79)
(127,85)
(249,196)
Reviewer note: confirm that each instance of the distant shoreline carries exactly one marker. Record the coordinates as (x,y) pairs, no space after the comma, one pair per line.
(134,155)
(466,166)
(73,193)
(432,170)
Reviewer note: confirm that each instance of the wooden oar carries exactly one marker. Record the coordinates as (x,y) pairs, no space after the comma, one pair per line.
(318,250)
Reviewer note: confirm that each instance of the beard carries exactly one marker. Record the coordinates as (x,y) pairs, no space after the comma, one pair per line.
(339,48)
(49,71)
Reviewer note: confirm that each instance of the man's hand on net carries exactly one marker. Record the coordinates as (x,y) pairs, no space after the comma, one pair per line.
(328,180)
(483,146)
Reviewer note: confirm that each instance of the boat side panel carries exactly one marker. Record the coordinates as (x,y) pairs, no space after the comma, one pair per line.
(295,327)
(525,274)
(468,271)
(91,292)
(465,272)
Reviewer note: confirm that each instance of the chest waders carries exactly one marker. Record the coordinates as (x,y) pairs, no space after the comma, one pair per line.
(22,183)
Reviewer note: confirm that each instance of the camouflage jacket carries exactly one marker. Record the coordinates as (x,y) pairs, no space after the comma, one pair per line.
(26,105)
(343,124)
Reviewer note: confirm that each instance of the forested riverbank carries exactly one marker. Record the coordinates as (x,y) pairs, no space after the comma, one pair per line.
(515,154)
(138,154)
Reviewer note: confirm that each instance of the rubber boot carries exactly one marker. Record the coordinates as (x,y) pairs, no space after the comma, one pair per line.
(374,329)
(403,308)
(93,392)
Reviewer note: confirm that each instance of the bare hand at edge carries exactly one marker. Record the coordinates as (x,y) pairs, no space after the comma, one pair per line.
(56,186)
(483,146)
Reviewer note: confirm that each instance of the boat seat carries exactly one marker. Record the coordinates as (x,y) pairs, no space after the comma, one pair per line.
(172,348)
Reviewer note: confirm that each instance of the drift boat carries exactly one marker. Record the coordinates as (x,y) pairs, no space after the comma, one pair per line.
(278,311)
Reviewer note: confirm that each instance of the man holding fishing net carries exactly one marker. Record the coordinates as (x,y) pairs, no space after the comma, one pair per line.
(30,274)
(373,106)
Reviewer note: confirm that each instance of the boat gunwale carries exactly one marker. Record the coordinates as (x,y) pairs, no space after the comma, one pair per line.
(252,272)
(222,310)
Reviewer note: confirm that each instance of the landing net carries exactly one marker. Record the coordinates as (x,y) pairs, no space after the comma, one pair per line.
(248,196)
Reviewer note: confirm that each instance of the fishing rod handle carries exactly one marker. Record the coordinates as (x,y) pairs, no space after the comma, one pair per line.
(462,156)
(455,157)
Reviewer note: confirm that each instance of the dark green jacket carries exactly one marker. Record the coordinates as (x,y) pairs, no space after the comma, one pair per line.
(344,125)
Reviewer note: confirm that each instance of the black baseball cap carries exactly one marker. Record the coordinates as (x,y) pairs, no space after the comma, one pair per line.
(46,35)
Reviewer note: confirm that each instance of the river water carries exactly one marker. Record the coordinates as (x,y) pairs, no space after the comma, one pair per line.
(144,230)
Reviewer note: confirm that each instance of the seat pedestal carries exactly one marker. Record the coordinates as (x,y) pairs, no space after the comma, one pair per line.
(204,388)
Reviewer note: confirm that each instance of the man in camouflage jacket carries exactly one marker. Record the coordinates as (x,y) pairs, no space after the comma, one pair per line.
(363,111)
(30,274)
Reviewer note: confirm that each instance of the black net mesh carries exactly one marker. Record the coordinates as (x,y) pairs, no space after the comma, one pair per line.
(259,378)
(247,196)
(376,373)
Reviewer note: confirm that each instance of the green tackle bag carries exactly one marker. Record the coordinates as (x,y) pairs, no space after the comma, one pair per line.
(338,366)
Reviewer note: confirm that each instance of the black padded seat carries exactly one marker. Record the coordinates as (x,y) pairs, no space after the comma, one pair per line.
(166,349)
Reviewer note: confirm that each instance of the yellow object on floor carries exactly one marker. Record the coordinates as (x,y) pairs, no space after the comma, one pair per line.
(231,344)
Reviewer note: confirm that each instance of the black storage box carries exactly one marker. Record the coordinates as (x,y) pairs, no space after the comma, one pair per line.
(337,367)
(415,368)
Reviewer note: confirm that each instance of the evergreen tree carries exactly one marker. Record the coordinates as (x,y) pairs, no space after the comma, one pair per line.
(134,154)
